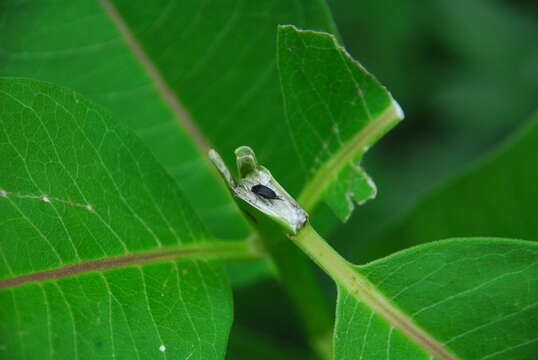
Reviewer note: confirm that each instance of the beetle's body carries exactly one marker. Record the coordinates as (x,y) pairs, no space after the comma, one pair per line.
(264,192)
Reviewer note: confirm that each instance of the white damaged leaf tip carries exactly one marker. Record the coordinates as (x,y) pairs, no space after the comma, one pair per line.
(257,187)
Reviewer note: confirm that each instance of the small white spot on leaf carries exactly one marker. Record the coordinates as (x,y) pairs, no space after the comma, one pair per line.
(45,199)
(3,193)
(162,348)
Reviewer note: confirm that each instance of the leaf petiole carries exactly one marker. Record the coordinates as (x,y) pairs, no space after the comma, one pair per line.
(349,277)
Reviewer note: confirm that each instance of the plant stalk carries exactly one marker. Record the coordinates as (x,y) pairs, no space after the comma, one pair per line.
(348,276)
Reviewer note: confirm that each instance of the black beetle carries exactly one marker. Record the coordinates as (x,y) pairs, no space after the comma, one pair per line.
(264,192)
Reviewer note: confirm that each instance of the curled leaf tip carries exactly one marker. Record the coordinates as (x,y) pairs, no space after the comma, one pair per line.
(246,160)
(257,188)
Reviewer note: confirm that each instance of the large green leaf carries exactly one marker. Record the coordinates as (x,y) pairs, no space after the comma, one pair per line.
(498,197)
(336,110)
(96,61)
(166,68)
(474,298)
(182,74)
(80,195)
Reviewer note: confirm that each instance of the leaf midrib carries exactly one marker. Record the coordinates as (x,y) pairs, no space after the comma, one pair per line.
(180,112)
(208,250)
(313,190)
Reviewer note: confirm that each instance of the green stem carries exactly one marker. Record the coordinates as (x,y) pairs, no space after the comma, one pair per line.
(338,268)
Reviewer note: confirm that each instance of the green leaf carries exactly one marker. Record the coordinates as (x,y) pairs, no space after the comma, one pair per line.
(176,72)
(475,298)
(219,58)
(99,62)
(83,208)
(336,110)
(497,197)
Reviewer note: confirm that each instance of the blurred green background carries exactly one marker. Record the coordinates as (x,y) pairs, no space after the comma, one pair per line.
(466,75)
